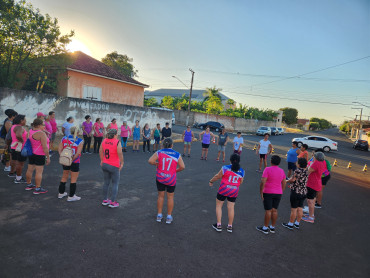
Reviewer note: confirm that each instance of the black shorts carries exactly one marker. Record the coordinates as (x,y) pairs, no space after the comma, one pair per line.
(17,156)
(292,166)
(205,146)
(164,187)
(324,180)
(223,198)
(311,193)
(296,200)
(38,160)
(75,167)
(263,156)
(271,201)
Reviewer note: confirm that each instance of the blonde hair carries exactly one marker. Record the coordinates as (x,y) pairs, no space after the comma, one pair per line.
(74,129)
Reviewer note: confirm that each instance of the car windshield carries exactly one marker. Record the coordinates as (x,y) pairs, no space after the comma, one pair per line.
(263,128)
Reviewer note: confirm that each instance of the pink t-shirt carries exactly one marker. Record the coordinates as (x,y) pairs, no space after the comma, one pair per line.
(125,130)
(314,179)
(275,175)
(98,129)
(54,126)
(48,128)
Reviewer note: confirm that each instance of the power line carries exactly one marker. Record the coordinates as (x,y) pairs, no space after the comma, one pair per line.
(299,75)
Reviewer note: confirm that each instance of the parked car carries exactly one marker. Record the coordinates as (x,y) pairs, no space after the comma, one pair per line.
(216,126)
(274,131)
(281,130)
(361,145)
(317,142)
(262,130)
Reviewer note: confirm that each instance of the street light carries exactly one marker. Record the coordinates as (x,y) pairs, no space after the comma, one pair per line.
(191,90)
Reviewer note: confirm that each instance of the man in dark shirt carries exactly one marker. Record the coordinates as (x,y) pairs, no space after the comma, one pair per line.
(166,131)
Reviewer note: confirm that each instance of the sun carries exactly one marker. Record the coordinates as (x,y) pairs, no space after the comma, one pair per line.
(76,45)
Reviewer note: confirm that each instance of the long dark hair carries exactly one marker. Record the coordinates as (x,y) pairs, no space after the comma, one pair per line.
(235,162)
(17,120)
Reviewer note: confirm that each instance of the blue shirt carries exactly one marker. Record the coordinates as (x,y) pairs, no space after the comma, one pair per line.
(292,155)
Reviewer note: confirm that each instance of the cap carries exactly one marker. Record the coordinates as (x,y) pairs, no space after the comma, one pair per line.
(40,114)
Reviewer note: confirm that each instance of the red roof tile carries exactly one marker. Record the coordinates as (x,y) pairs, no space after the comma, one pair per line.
(85,63)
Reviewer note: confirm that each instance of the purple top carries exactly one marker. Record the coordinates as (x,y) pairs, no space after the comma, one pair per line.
(206,138)
(187,136)
(88,127)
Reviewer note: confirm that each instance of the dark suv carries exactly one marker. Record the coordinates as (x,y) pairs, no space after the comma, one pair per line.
(212,125)
(361,144)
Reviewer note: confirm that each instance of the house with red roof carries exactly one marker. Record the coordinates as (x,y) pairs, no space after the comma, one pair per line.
(305,123)
(88,78)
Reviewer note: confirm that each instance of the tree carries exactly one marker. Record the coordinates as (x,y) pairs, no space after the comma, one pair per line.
(181,103)
(212,92)
(167,102)
(314,125)
(26,35)
(150,102)
(121,63)
(213,105)
(289,115)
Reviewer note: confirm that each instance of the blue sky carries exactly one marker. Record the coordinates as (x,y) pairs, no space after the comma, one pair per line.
(227,43)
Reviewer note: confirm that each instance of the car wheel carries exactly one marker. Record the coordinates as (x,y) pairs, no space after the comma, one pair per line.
(326,149)
(299,144)
(217,129)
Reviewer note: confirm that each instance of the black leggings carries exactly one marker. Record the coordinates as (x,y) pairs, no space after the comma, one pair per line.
(87,142)
(146,142)
(97,143)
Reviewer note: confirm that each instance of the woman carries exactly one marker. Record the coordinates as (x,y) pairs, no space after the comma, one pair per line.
(231,178)
(314,184)
(187,138)
(206,141)
(66,127)
(271,188)
(87,130)
(73,170)
(48,128)
(54,127)
(157,137)
(304,152)
(298,192)
(292,157)
(98,134)
(222,141)
(40,156)
(111,161)
(264,148)
(125,134)
(166,161)
(19,136)
(146,137)
(5,129)
(324,180)
(112,125)
(136,136)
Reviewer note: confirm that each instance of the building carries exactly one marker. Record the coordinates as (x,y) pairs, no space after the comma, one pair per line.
(89,78)
(305,124)
(196,95)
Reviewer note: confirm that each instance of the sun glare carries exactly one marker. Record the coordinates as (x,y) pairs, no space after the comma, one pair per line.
(76,45)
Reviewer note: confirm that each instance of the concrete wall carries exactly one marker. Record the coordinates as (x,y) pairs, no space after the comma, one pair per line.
(29,103)
(112,91)
(231,123)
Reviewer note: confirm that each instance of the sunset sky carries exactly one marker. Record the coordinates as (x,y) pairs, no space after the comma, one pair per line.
(247,48)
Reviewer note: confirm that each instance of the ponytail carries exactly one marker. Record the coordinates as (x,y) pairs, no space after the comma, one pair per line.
(167,143)
(235,162)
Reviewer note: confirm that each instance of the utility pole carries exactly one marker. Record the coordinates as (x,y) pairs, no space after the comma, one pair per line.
(359,127)
(191,90)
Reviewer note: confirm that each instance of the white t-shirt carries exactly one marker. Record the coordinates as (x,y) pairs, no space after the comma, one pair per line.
(264,146)
(237,142)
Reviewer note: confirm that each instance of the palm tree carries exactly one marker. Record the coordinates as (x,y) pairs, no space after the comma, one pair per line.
(212,92)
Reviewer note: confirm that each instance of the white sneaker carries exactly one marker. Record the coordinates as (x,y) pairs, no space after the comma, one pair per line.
(305,209)
(74,198)
(61,196)
(7,169)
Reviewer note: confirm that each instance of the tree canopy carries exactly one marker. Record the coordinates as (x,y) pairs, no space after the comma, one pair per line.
(121,63)
(290,115)
(26,36)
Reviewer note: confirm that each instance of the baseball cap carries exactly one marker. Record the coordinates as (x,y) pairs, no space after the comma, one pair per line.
(40,114)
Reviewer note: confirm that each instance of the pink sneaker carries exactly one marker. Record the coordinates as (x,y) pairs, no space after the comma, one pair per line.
(113,205)
(105,202)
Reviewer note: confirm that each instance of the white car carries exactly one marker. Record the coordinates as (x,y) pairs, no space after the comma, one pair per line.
(262,130)
(281,131)
(317,142)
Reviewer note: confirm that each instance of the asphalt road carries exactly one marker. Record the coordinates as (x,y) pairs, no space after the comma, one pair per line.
(42,236)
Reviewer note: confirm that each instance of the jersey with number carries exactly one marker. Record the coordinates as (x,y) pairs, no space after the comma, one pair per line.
(230,182)
(74,144)
(167,165)
(110,154)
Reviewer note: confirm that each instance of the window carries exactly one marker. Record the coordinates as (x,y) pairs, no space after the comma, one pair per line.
(321,139)
(311,138)
(92,93)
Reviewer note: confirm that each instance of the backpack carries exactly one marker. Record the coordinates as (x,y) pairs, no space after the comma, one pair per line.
(27,148)
(3,130)
(66,155)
